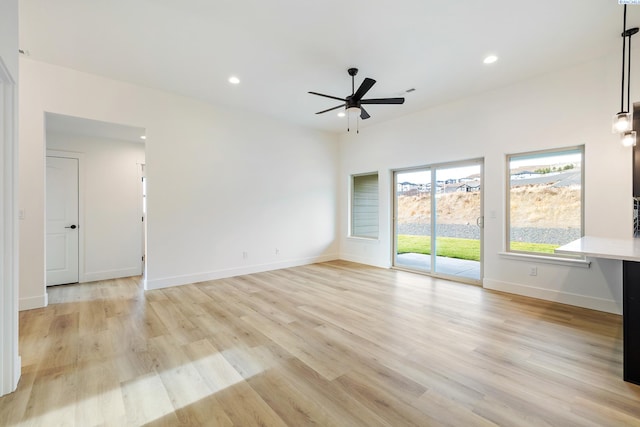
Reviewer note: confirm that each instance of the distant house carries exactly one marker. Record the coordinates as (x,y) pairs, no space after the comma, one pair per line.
(410,188)
(468,188)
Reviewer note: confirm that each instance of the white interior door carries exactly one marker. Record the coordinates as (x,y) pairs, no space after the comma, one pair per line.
(62,221)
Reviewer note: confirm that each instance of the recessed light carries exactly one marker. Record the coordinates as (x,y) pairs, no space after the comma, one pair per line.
(490,59)
(341,114)
(143,137)
(234,80)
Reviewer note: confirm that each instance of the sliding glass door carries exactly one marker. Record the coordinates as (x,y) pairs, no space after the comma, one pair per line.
(458,221)
(438,220)
(413,219)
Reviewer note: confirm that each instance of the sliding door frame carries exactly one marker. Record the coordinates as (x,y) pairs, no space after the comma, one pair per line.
(433,169)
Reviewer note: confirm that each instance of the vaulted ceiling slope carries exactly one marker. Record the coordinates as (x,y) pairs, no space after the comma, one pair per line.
(281,49)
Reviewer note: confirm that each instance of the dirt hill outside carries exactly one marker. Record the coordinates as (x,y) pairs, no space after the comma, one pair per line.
(541,206)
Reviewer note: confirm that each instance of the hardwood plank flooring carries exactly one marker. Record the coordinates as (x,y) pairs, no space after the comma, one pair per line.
(331,344)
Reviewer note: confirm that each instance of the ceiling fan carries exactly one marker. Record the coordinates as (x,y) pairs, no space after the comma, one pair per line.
(354,102)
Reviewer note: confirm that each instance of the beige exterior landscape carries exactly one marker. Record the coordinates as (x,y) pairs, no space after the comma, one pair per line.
(532,205)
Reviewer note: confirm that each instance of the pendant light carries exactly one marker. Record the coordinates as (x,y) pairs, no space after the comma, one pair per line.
(623,121)
(628,138)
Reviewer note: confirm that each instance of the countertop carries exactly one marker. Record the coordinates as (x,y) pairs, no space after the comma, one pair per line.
(603,247)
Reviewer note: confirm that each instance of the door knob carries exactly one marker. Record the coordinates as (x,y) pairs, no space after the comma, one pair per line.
(73,227)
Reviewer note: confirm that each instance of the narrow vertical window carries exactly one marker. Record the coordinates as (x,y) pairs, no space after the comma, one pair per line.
(545,200)
(364,206)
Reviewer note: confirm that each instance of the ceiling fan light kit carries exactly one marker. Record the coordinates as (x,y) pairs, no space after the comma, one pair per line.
(353,103)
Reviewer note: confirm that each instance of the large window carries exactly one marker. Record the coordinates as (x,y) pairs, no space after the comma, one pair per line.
(545,200)
(364,206)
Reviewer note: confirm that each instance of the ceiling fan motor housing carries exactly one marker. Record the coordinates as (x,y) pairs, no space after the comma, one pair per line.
(351,103)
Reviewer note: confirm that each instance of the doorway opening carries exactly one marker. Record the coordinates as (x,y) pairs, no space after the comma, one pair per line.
(438,222)
(106,223)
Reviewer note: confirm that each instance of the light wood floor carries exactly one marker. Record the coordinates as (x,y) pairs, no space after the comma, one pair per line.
(333,344)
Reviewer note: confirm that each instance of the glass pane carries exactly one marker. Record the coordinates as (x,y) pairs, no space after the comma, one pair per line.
(545,200)
(413,219)
(458,211)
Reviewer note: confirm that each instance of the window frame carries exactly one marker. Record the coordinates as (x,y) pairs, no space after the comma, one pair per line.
(578,149)
(353,207)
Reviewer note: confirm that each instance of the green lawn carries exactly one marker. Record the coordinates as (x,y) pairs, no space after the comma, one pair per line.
(459,248)
(447,246)
(533,247)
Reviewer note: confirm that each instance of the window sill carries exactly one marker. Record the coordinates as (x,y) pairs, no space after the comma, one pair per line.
(363,239)
(569,262)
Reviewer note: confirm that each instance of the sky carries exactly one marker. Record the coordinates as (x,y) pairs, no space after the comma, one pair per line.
(424,176)
(537,160)
(444,173)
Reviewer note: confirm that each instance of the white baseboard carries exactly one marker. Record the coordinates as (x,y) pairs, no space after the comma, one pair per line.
(600,304)
(32,302)
(8,379)
(17,372)
(110,274)
(231,272)
(363,260)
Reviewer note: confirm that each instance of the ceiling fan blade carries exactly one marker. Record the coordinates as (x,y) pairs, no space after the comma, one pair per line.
(327,96)
(363,113)
(367,83)
(383,101)
(331,109)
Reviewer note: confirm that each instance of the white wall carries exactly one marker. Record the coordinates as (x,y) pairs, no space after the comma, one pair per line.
(9,359)
(9,32)
(567,108)
(220,183)
(110,183)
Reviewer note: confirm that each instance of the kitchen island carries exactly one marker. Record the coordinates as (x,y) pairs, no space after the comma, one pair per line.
(628,251)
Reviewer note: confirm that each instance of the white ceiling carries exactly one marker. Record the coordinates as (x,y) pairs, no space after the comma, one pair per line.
(281,49)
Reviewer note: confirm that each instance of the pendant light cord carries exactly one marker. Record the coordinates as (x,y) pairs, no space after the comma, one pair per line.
(624,55)
(629,76)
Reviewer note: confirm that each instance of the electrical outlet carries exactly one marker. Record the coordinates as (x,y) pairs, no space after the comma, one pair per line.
(533,271)
(277,251)
(245,255)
